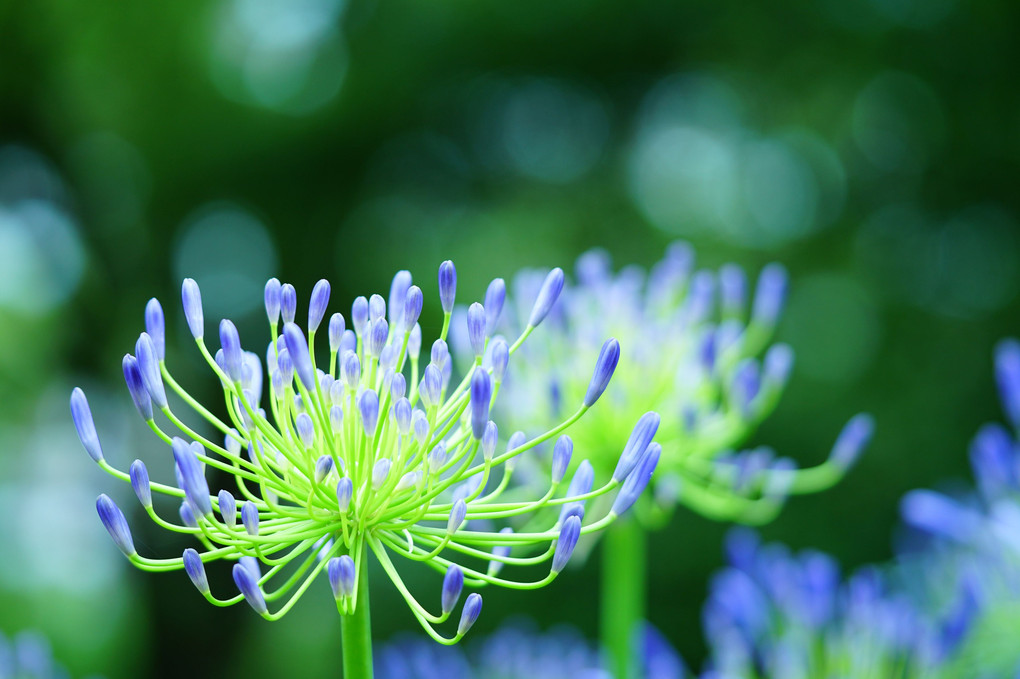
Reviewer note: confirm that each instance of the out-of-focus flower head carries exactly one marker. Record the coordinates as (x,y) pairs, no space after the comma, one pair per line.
(517,650)
(376,454)
(962,549)
(694,347)
(772,613)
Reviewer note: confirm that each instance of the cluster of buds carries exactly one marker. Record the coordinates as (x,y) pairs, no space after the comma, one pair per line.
(772,613)
(374,454)
(695,348)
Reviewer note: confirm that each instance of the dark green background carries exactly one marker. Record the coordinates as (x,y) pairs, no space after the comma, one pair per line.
(895,309)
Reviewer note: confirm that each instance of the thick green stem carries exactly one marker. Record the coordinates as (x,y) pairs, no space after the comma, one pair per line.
(356,632)
(623,595)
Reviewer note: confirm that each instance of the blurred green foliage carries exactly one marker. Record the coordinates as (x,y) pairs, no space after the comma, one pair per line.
(870,145)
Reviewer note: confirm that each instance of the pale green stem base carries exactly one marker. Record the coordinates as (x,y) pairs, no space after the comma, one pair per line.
(623,595)
(356,633)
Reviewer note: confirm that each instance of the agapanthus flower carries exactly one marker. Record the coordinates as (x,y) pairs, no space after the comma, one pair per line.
(772,613)
(28,655)
(696,358)
(516,650)
(695,348)
(358,450)
(962,554)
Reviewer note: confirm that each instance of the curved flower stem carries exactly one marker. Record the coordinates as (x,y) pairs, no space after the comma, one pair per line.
(356,632)
(623,594)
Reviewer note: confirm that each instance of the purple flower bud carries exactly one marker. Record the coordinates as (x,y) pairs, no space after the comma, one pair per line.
(499,552)
(285,366)
(344,493)
(376,308)
(469,614)
(431,386)
(495,295)
(249,586)
(852,440)
(605,365)
(273,301)
(193,480)
(336,418)
(398,387)
(638,480)
(232,355)
(453,584)
(195,569)
(414,342)
(359,315)
(228,507)
(297,348)
(639,439)
(489,439)
(565,544)
(447,285)
(191,298)
(457,515)
(323,466)
(402,414)
(380,472)
(517,439)
(317,304)
(437,458)
(708,350)
(288,302)
(377,336)
(481,395)
(341,572)
(336,331)
(305,429)
(476,328)
(82,416)
(562,451)
(746,385)
(250,517)
(148,366)
(115,523)
(770,295)
(136,386)
(408,480)
(412,307)
(939,515)
(399,290)
(420,425)
(187,515)
(155,325)
(778,363)
(991,458)
(1007,377)
(368,406)
(139,476)
(732,289)
(580,484)
(440,353)
(547,296)
(499,356)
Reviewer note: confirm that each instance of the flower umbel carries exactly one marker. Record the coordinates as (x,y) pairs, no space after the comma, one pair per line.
(696,348)
(376,454)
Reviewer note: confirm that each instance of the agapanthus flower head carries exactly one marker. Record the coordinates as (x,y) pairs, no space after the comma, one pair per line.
(961,549)
(693,346)
(364,448)
(772,613)
(516,650)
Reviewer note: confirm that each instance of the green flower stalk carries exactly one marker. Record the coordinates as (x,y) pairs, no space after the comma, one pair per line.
(375,455)
(696,348)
